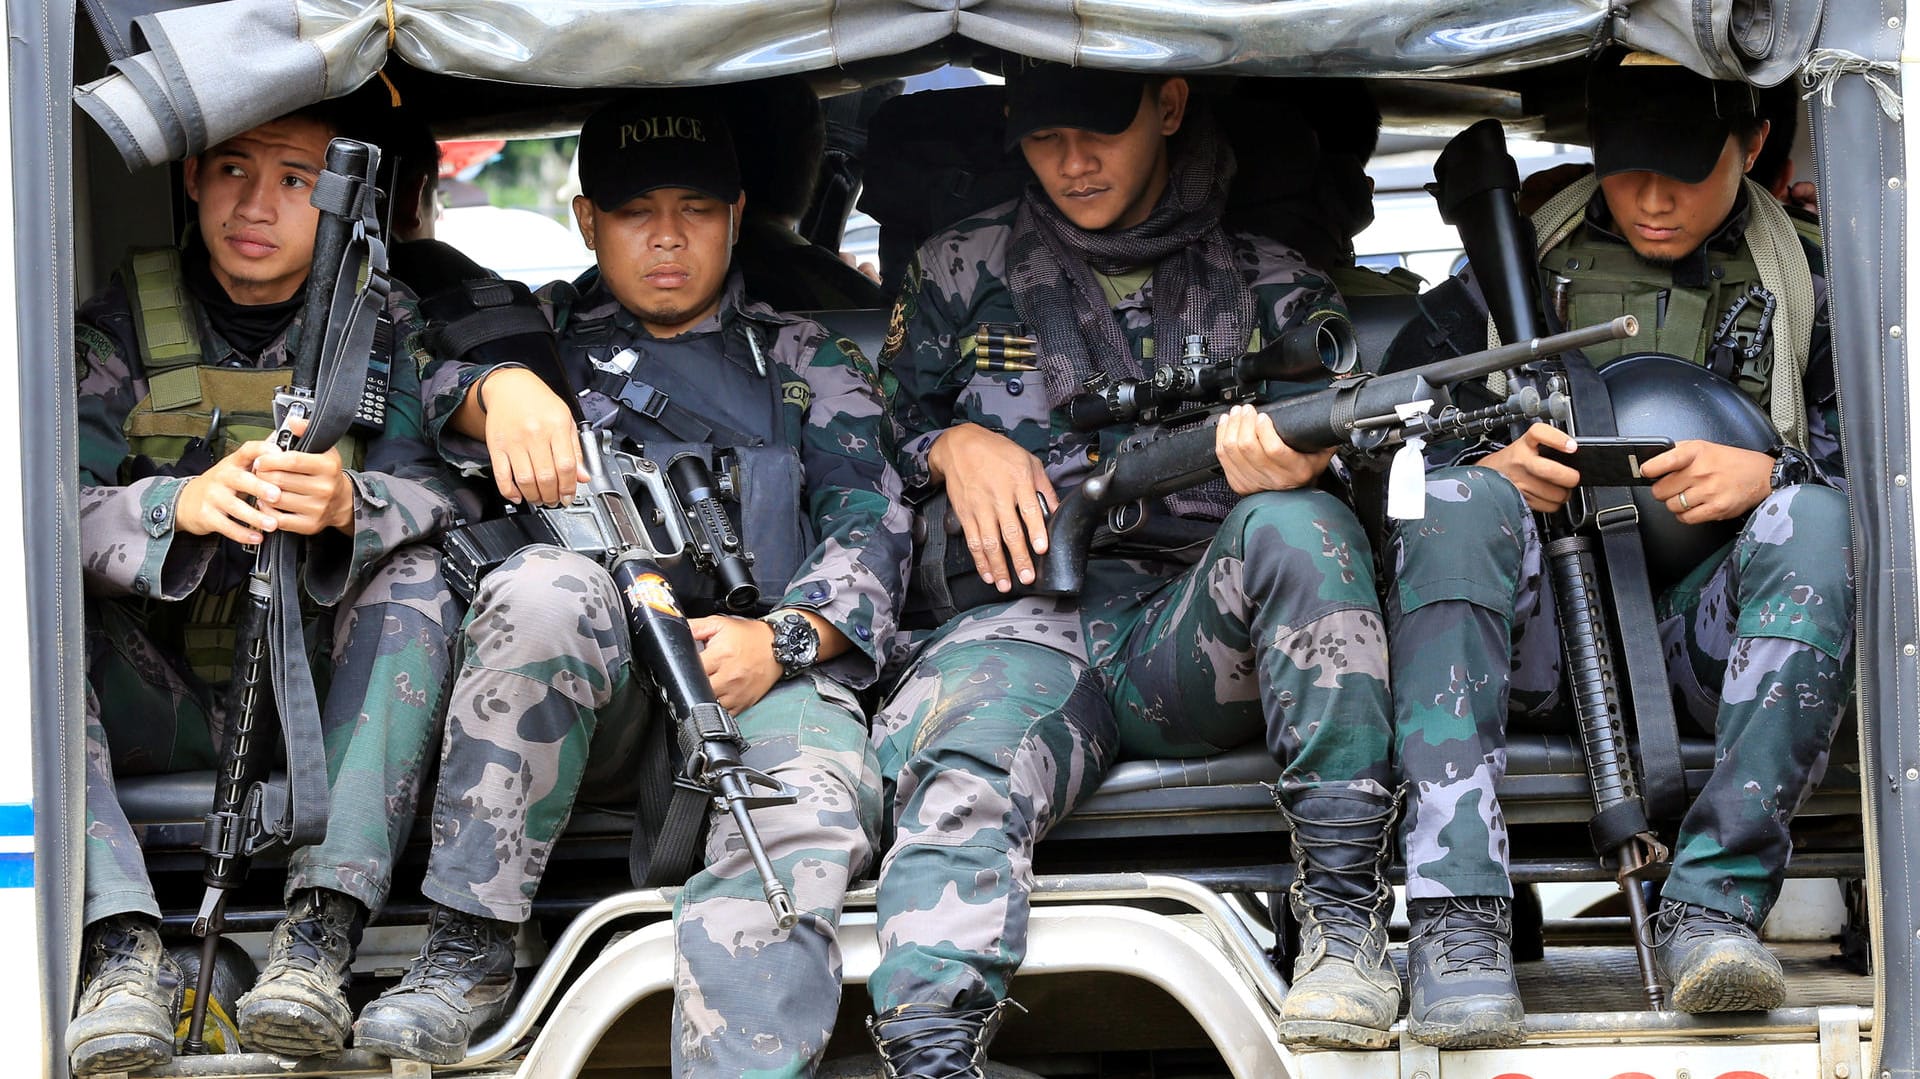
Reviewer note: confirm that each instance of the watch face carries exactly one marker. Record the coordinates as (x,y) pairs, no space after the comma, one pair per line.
(795,643)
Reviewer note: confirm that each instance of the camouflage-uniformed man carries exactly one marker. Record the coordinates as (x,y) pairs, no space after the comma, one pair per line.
(664,341)
(1756,637)
(1014,710)
(177,339)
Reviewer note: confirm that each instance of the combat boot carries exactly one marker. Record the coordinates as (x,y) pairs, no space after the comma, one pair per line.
(299,1006)
(1460,974)
(1714,962)
(925,1041)
(1345,993)
(459,982)
(130,997)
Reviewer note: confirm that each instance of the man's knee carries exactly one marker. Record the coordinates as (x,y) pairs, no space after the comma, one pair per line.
(543,593)
(1796,571)
(411,576)
(1472,545)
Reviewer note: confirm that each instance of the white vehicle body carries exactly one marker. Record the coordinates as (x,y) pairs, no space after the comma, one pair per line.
(1159,939)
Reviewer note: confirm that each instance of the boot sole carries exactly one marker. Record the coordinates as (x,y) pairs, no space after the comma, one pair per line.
(290,1028)
(1481,1032)
(1325,1034)
(406,1043)
(120,1053)
(1727,982)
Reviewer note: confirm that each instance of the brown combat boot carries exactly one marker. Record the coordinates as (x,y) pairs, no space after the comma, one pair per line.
(1345,993)
(299,1006)
(130,997)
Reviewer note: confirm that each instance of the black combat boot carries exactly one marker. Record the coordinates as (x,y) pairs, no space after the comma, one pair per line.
(130,998)
(1714,962)
(1460,974)
(299,1006)
(458,983)
(925,1041)
(1345,993)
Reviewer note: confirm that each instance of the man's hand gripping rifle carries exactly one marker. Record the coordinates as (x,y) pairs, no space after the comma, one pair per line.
(1366,414)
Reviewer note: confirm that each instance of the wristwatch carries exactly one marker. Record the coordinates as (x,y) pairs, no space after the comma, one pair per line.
(1792,466)
(796,644)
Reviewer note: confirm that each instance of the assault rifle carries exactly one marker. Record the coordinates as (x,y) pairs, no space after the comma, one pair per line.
(335,386)
(1476,184)
(1366,414)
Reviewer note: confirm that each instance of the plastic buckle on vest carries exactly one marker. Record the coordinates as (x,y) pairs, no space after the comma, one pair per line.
(644,399)
(1618,518)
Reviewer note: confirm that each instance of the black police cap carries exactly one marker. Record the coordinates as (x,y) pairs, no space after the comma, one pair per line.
(654,139)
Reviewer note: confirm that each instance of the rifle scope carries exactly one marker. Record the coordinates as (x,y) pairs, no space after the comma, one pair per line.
(717,547)
(1322,345)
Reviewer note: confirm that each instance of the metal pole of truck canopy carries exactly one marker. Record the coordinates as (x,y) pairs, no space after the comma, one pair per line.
(1864,188)
(190,89)
(40,155)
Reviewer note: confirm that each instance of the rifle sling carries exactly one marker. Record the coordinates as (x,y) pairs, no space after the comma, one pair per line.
(1657,735)
(355,315)
(669,818)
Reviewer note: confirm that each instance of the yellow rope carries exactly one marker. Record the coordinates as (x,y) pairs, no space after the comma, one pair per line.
(393,32)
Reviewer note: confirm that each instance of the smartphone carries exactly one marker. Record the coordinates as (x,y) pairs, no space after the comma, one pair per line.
(1610,460)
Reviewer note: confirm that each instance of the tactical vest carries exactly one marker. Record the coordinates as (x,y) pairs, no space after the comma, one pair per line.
(195,412)
(704,401)
(1595,280)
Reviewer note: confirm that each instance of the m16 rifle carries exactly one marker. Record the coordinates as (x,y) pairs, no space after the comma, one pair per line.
(1476,184)
(335,386)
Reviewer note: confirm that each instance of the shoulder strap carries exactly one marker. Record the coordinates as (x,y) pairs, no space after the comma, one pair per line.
(1785,272)
(163,316)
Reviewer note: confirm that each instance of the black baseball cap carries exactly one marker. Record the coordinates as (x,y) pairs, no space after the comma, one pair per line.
(1648,113)
(653,139)
(1042,94)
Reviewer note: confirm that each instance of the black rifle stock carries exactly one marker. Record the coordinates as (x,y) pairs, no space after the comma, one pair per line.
(236,826)
(1362,413)
(1476,184)
(605,515)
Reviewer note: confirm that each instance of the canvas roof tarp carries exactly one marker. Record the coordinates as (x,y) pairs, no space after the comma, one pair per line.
(187,76)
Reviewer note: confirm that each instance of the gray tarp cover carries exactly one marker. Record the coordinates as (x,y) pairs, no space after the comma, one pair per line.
(212,70)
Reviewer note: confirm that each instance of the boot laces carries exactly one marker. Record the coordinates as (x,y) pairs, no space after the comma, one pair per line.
(963,1034)
(1469,934)
(317,936)
(1687,923)
(127,955)
(455,945)
(1346,900)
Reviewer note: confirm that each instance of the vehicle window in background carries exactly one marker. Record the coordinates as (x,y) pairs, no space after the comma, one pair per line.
(507,206)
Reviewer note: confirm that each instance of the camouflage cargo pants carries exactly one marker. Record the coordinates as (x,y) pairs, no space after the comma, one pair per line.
(1756,640)
(147,714)
(1014,713)
(545,709)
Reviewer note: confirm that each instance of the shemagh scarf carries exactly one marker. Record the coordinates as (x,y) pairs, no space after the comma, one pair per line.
(1196,287)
